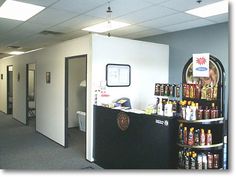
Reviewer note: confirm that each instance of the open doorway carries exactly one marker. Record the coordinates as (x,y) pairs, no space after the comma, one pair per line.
(75,103)
(30,95)
(9,89)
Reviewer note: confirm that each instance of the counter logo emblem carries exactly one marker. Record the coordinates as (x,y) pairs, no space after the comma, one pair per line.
(123,121)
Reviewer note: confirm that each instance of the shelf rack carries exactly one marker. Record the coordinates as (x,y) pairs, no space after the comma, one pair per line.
(206,147)
(219,120)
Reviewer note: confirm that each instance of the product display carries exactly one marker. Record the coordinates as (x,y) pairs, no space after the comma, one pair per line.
(192,111)
(188,159)
(169,90)
(201,120)
(199,91)
(193,137)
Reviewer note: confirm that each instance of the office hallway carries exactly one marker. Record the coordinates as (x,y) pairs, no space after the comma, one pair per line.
(21,147)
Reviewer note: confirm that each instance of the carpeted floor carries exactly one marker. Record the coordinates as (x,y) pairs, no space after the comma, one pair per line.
(21,147)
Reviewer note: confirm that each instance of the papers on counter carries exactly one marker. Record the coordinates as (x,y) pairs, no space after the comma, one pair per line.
(126,109)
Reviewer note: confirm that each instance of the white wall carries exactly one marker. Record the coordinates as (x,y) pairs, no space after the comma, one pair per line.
(19,87)
(77,94)
(149,65)
(50,97)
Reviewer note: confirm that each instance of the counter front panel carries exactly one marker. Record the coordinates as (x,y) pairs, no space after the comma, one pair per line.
(146,142)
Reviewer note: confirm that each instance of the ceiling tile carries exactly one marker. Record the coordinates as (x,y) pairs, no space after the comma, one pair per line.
(78,6)
(44,3)
(37,41)
(169,20)
(219,18)
(119,8)
(187,25)
(146,14)
(77,23)
(6,25)
(145,33)
(21,32)
(127,30)
(183,5)
(51,17)
(73,35)
(156,1)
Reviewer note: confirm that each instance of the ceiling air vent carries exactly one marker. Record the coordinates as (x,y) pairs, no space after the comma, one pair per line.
(14,47)
(46,32)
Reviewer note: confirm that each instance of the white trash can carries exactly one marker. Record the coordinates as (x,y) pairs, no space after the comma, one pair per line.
(81,118)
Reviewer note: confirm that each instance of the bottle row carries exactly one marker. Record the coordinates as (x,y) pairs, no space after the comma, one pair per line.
(166,107)
(186,110)
(172,90)
(206,91)
(192,111)
(197,137)
(192,160)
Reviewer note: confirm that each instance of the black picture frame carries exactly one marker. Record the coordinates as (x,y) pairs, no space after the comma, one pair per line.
(1,76)
(48,77)
(18,76)
(118,75)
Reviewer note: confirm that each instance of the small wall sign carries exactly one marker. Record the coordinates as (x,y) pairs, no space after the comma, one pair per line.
(48,77)
(18,76)
(201,65)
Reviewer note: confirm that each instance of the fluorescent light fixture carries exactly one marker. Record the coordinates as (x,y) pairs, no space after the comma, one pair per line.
(16,53)
(106,26)
(34,50)
(209,10)
(16,10)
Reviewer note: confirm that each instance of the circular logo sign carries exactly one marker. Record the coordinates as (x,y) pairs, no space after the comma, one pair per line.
(123,121)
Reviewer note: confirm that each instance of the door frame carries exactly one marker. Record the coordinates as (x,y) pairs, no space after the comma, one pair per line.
(8,66)
(66,94)
(26,96)
(27,90)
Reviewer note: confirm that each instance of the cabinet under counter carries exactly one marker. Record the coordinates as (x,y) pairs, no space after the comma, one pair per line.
(127,140)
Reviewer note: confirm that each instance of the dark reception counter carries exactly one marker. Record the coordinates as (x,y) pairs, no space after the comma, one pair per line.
(127,140)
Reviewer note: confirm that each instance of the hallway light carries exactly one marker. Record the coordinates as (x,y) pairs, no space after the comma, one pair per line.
(16,53)
(16,10)
(106,26)
(209,10)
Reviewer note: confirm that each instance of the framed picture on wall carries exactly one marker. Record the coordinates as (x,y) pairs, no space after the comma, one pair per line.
(1,76)
(18,76)
(118,75)
(48,77)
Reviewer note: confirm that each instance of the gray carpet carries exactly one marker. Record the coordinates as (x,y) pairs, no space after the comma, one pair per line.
(21,147)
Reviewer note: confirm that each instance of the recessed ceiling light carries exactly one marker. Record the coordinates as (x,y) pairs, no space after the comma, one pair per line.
(106,26)
(16,10)
(16,53)
(209,10)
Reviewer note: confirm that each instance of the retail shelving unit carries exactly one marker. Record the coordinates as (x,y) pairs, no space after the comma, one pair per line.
(216,125)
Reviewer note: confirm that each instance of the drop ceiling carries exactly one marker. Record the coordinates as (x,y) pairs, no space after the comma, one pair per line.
(66,18)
